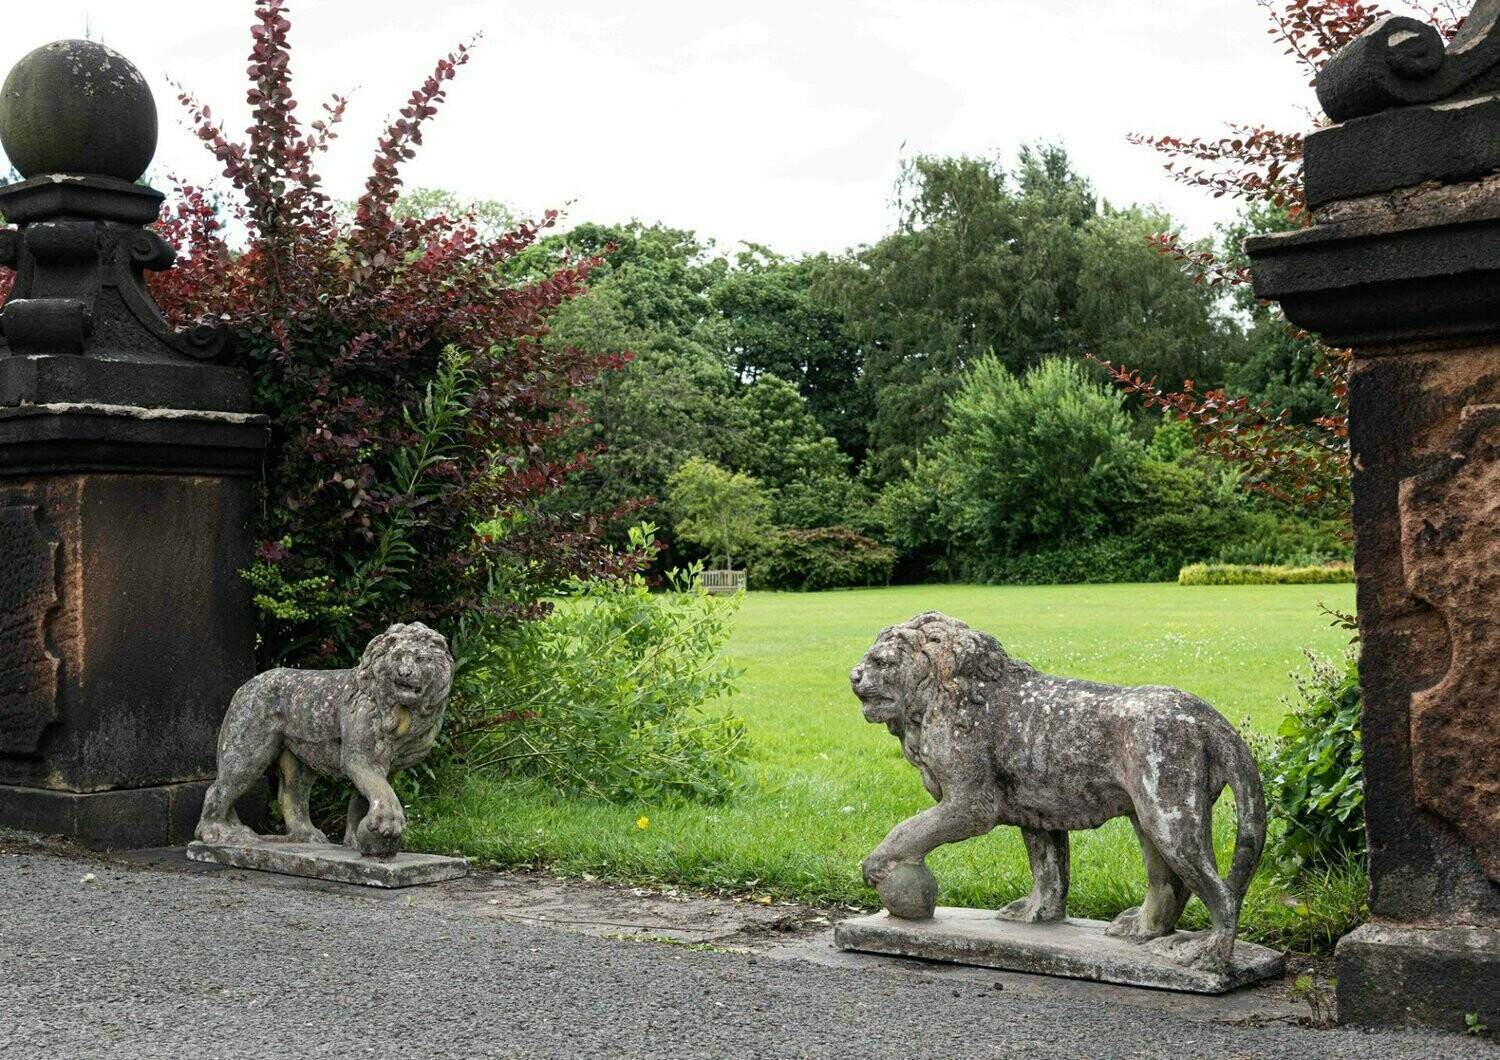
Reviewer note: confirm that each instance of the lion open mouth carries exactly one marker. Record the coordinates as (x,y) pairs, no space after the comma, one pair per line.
(877,708)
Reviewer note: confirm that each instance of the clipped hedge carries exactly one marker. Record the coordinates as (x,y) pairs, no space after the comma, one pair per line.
(832,557)
(1264,574)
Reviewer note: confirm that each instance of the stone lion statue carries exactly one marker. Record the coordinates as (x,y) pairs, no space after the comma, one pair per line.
(362,724)
(996,743)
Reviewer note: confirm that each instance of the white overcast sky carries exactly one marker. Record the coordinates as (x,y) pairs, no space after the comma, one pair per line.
(774,121)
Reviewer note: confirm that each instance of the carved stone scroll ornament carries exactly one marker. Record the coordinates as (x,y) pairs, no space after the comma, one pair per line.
(1401,62)
(1450,536)
(66,271)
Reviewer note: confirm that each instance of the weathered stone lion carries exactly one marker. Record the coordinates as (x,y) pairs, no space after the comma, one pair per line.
(996,742)
(362,724)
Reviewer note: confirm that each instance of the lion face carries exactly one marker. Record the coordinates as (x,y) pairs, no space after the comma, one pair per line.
(411,666)
(884,680)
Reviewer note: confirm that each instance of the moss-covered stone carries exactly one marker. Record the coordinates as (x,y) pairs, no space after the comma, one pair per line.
(76,106)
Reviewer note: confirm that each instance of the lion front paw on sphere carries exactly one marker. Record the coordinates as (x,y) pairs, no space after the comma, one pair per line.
(361,725)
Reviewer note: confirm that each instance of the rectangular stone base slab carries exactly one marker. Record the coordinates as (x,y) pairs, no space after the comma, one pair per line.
(325,861)
(122,818)
(1076,949)
(1393,975)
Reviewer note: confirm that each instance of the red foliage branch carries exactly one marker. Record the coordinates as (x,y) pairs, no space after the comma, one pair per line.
(343,328)
(1303,466)
(1254,163)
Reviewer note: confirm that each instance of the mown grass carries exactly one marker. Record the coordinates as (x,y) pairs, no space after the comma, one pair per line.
(823,786)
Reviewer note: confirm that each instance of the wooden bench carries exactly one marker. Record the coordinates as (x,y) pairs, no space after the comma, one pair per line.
(725,582)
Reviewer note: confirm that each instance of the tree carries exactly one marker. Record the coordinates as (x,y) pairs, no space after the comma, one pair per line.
(1019,265)
(491,219)
(775,438)
(648,297)
(772,316)
(671,403)
(1030,460)
(1134,303)
(1281,367)
(718,509)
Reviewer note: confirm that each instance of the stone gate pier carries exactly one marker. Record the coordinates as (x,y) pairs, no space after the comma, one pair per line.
(127,457)
(1402,264)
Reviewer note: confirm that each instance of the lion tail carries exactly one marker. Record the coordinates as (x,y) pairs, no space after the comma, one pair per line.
(1250,812)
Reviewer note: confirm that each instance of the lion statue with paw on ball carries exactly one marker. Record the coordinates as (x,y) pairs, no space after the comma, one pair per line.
(997,742)
(360,724)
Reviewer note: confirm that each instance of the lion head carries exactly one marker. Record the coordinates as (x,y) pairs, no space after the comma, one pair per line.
(931,660)
(408,665)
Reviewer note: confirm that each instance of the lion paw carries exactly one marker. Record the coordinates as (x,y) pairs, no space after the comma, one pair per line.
(1132,925)
(1030,911)
(224,833)
(386,820)
(307,834)
(1205,950)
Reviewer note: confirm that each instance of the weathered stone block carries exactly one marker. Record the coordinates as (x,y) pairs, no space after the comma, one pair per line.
(132,626)
(1398,975)
(158,816)
(1077,949)
(326,861)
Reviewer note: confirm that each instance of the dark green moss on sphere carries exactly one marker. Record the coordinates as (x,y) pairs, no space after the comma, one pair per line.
(75,106)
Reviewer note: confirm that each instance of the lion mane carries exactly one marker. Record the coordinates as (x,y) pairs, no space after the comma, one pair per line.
(948,664)
(374,681)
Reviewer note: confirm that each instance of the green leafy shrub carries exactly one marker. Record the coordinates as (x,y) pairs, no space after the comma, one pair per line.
(1237,574)
(1030,460)
(1314,783)
(832,557)
(1266,537)
(608,695)
(1109,559)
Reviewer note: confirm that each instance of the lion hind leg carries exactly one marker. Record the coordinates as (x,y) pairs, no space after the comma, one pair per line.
(247,745)
(1166,897)
(358,807)
(294,794)
(1047,851)
(1187,848)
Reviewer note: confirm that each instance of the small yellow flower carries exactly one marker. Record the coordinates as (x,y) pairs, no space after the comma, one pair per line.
(643,823)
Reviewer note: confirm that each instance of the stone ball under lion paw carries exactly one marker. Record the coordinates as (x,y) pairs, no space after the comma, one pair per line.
(909,891)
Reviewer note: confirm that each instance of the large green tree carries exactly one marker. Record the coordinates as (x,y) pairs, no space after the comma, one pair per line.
(1017,264)
(672,402)
(772,315)
(1025,461)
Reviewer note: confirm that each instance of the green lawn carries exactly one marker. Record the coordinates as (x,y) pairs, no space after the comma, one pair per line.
(825,786)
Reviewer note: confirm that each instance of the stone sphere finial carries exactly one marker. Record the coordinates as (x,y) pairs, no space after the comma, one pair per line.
(75,106)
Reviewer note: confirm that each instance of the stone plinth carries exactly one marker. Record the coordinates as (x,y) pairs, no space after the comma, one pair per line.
(325,861)
(1402,263)
(128,454)
(1077,949)
(127,626)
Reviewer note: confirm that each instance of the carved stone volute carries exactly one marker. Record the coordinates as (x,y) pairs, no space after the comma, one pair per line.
(81,250)
(1401,61)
